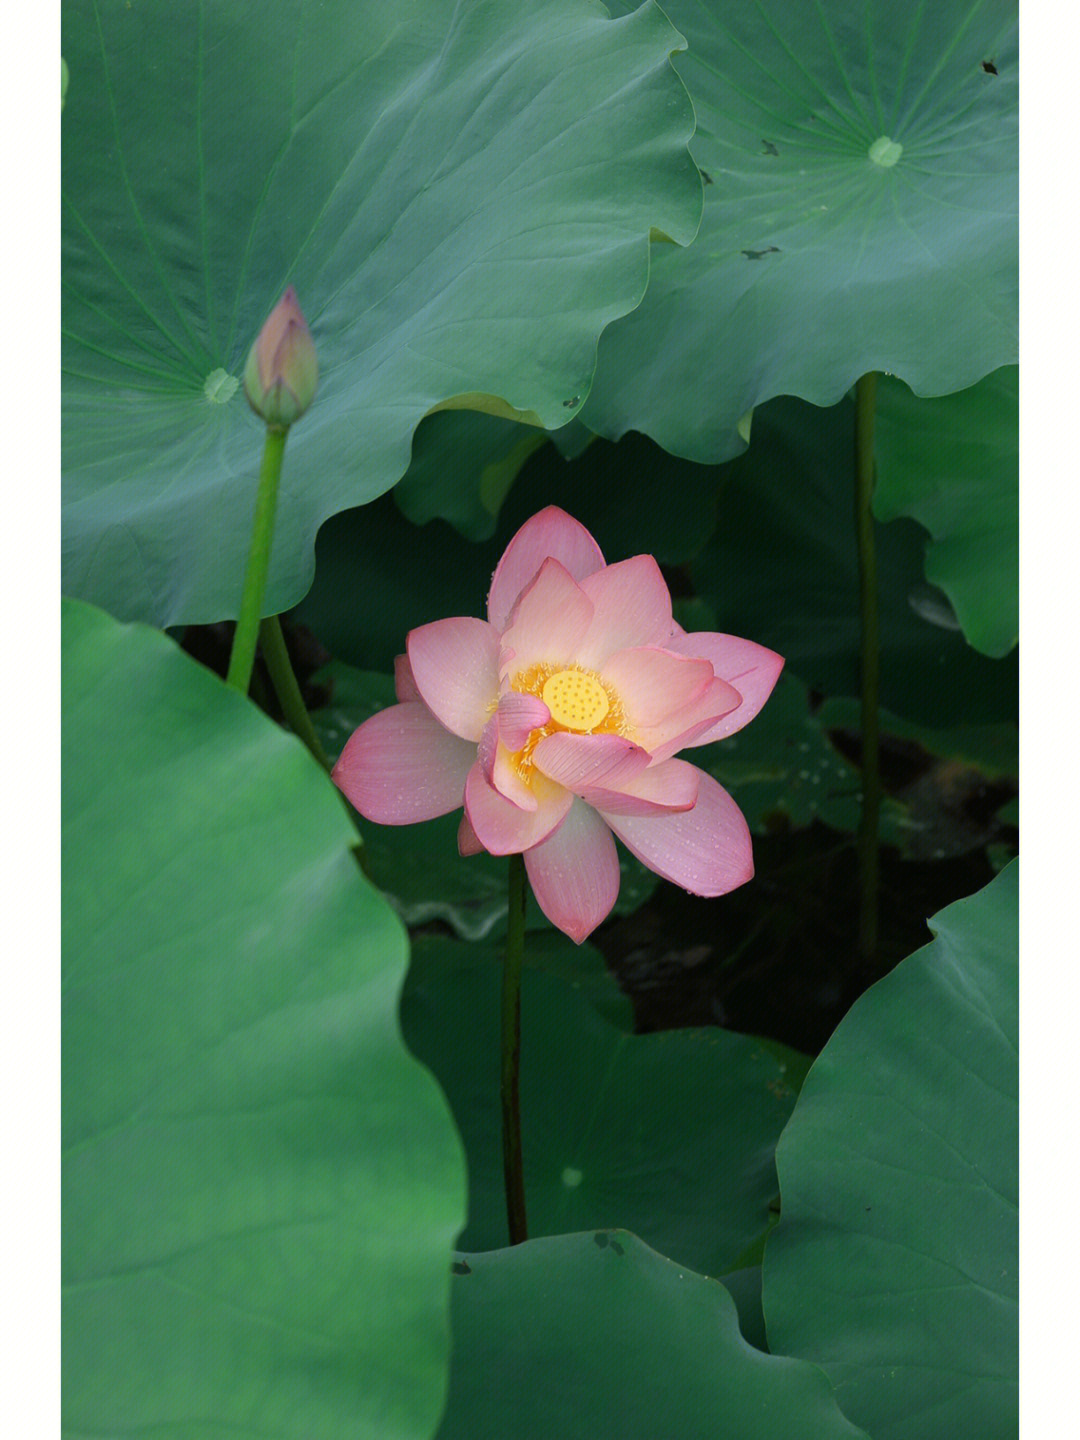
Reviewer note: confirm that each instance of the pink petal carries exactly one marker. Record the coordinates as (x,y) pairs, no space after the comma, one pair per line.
(669,786)
(519,716)
(467,843)
(574,873)
(455,665)
(706,850)
(488,748)
(404,684)
(654,684)
(503,829)
(582,760)
(402,766)
(498,768)
(632,607)
(684,727)
(751,668)
(549,620)
(550,534)
(506,779)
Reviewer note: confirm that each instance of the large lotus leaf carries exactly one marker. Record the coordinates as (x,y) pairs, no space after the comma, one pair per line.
(952,464)
(418,867)
(463,464)
(462,194)
(782,568)
(861,214)
(744,1287)
(583,1336)
(670,1134)
(261,1187)
(894,1263)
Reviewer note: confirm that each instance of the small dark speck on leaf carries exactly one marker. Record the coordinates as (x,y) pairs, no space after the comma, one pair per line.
(706,176)
(574,400)
(989,67)
(459,1267)
(768,148)
(600,1238)
(617,1248)
(757,254)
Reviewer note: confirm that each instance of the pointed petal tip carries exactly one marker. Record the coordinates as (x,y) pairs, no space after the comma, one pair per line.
(751,668)
(468,842)
(706,850)
(574,873)
(549,534)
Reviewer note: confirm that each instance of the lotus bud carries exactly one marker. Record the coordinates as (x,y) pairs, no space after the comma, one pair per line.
(282,370)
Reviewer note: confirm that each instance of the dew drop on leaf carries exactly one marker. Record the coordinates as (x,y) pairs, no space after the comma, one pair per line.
(219,387)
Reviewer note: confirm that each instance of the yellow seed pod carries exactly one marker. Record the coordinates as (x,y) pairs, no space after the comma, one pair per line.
(576,699)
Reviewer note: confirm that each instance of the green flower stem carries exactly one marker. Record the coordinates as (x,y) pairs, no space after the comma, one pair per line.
(511,1053)
(867,841)
(286,688)
(242,658)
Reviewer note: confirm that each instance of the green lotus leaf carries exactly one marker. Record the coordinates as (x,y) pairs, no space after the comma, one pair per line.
(952,465)
(261,1186)
(782,568)
(670,1133)
(744,1287)
(860,214)
(894,1266)
(461,193)
(463,464)
(597,1335)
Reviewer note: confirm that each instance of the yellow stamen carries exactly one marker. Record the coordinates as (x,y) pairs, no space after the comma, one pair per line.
(579,701)
(576,699)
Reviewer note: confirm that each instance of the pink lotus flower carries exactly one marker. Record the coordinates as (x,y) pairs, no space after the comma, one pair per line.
(556,723)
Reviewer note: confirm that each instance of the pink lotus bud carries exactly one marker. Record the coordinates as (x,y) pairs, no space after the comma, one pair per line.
(282,370)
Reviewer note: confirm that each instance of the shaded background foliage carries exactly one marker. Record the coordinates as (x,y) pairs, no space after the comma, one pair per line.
(510,210)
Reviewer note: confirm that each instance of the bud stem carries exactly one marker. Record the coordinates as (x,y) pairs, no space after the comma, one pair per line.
(287,688)
(242,658)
